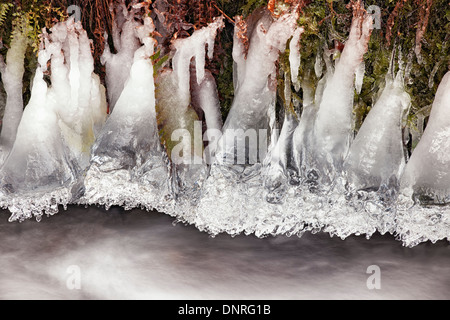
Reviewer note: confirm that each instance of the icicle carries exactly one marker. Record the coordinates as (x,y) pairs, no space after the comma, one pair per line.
(194,47)
(427,173)
(303,145)
(280,155)
(128,164)
(376,157)
(318,66)
(56,132)
(426,179)
(276,172)
(12,77)
(360,72)
(2,104)
(205,99)
(173,94)
(239,50)
(280,152)
(180,127)
(295,58)
(287,89)
(126,42)
(433,74)
(333,126)
(256,92)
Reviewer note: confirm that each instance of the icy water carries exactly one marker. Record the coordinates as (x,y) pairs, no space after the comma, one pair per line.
(137,255)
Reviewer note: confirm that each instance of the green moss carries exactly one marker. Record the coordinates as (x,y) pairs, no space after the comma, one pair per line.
(29,18)
(324,21)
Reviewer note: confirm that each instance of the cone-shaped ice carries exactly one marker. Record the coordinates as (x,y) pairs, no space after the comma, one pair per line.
(57,129)
(164,147)
(427,174)
(128,165)
(377,156)
(233,196)
(255,90)
(182,94)
(176,114)
(425,185)
(334,123)
(126,42)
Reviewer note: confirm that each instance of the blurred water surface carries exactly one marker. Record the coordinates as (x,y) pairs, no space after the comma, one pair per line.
(140,255)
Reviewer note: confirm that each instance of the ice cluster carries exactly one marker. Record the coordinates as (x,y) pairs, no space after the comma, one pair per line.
(164,147)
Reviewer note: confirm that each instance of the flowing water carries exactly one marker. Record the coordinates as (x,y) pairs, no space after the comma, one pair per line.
(137,255)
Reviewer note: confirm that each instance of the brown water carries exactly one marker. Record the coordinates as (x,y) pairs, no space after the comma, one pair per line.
(140,255)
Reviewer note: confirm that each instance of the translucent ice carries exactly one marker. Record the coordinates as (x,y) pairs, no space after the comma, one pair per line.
(264,172)
(303,136)
(181,100)
(233,197)
(360,77)
(126,42)
(427,173)
(421,214)
(12,72)
(205,101)
(57,129)
(256,83)
(294,57)
(2,103)
(128,165)
(185,96)
(377,157)
(193,47)
(334,123)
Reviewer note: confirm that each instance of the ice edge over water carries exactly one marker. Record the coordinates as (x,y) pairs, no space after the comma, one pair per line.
(130,168)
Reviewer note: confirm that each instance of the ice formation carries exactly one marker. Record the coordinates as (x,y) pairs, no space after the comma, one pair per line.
(294,57)
(57,129)
(248,131)
(128,166)
(255,89)
(426,180)
(427,170)
(12,71)
(264,171)
(334,122)
(182,94)
(376,157)
(2,103)
(126,43)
